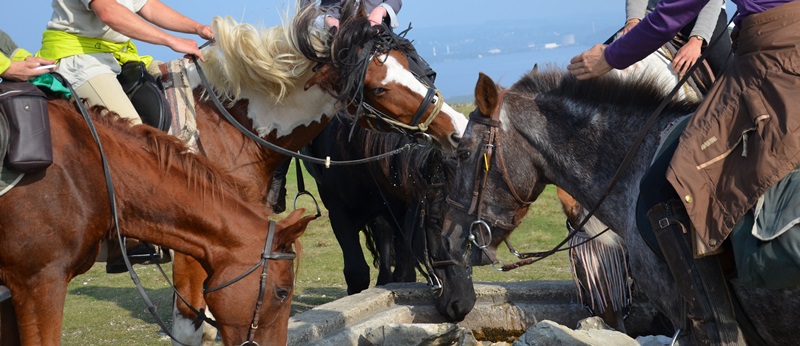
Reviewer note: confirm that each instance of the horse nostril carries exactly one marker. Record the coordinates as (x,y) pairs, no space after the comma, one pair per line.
(455,138)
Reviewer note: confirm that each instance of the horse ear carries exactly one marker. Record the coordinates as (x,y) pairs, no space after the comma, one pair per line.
(293,226)
(535,68)
(320,75)
(486,95)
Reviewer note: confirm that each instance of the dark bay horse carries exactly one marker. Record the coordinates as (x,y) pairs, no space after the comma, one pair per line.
(565,132)
(270,86)
(165,196)
(398,201)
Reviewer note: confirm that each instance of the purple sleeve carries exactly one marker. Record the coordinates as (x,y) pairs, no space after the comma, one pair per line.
(656,29)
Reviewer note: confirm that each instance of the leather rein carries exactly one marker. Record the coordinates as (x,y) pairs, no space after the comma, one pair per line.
(265,256)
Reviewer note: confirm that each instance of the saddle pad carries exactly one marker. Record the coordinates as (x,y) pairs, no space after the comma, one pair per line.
(180,97)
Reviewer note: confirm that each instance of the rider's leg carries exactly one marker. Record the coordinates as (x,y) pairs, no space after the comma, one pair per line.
(105,90)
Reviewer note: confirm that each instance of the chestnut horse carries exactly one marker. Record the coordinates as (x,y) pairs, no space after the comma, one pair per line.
(562,131)
(272,88)
(165,196)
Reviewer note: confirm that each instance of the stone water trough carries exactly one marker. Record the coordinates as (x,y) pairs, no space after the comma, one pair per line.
(503,312)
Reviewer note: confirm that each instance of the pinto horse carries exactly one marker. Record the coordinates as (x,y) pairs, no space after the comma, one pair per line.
(563,131)
(165,196)
(272,88)
(398,200)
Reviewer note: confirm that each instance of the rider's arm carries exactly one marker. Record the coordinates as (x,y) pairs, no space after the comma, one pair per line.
(165,17)
(707,20)
(652,32)
(128,23)
(635,10)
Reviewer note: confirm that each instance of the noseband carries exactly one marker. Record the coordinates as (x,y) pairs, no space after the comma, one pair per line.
(266,255)
(385,41)
(484,222)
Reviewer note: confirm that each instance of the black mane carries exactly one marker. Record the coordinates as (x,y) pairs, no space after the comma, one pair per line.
(350,47)
(632,95)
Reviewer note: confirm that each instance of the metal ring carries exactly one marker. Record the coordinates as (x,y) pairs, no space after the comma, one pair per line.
(480,223)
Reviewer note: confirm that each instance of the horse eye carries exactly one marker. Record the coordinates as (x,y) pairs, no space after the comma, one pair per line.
(379,91)
(463,155)
(281,293)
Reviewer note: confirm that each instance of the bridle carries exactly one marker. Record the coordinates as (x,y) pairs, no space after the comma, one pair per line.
(485,222)
(386,41)
(266,255)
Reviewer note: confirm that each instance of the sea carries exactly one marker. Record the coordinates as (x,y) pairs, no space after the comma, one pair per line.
(456,78)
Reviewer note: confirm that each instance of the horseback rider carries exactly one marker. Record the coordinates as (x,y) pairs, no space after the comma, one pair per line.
(379,12)
(715,180)
(91,40)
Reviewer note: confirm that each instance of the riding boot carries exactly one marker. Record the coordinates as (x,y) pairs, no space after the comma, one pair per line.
(138,253)
(276,197)
(701,282)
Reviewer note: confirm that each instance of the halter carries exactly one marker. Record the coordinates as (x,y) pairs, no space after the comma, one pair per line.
(266,255)
(476,236)
(385,41)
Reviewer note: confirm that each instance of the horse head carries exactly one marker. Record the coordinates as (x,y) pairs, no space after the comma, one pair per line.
(373,72)
(492,197)
(271,295)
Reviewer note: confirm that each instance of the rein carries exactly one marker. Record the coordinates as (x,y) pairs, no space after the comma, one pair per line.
(532,257)
(476,205)
(266,255)
(327,161)
(114,216)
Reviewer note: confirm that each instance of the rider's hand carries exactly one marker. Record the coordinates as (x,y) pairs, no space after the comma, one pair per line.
(589,64)
(376,16)
(27,69)
(186,46)
(687,55)
(629,25)
(205,32)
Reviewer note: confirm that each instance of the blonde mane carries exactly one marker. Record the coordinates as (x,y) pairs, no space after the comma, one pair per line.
(264,61)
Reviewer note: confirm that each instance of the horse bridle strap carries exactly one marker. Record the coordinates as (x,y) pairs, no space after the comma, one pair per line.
(266,255)
(327,162)
(431,96)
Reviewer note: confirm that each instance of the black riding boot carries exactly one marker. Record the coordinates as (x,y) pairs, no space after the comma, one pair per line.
(700,282)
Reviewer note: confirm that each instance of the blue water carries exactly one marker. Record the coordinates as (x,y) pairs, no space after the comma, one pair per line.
(456,78)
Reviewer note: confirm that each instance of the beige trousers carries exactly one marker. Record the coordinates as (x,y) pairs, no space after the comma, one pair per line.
(105,90)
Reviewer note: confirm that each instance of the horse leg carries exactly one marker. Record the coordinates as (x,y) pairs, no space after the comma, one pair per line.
(381,230)
(188,277)
(38,302)
(9,334)
(404,260)
(356,270)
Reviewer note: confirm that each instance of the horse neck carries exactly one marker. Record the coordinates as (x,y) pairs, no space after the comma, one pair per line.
(209,222)
(291,124)
(580,147)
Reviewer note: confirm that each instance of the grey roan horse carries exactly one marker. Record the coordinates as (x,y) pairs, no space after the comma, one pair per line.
(552,129)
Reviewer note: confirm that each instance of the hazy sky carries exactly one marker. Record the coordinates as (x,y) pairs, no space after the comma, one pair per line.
(25,20)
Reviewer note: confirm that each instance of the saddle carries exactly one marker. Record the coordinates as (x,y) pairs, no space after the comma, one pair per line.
(147,95)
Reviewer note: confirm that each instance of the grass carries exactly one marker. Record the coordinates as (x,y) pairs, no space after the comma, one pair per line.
(103,309)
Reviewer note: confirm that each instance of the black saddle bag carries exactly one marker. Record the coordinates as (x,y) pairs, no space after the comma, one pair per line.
(30,148)
(146,94)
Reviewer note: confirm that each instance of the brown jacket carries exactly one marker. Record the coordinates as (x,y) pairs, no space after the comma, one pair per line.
(746,134)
